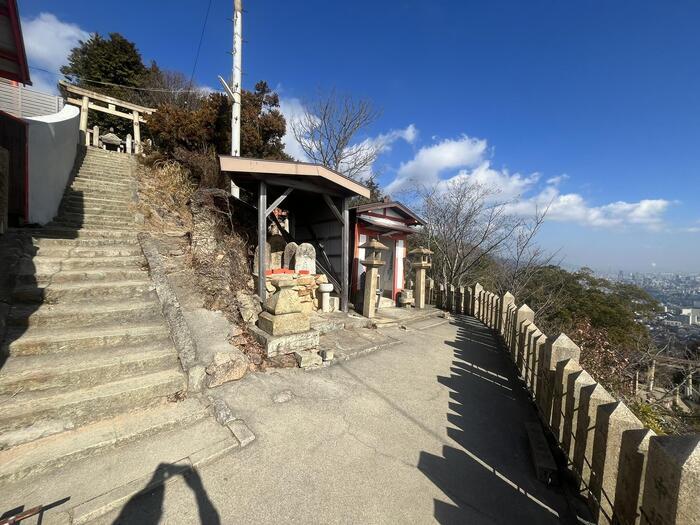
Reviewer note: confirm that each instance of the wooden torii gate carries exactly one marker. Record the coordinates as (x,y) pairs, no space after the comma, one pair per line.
(89,100)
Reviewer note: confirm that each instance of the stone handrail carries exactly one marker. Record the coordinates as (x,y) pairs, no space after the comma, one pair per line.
(627,473)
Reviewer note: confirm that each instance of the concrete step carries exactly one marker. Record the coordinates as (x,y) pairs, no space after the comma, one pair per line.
(47,340)
(109,179)
(84,315)
(95,219)
(100,186)
(76,292)
(87,369)
(56,264)
(116,210)
(76,213)
(89,239)
(45,276)
(54,452)
(81,199)
(56,232)
(88,252)
(102,466)
(101,191)
(120,225)
(32,415)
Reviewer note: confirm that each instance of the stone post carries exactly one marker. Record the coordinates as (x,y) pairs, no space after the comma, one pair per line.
(421,263)
(129,144)
(506,301)
(565,369)
(560,349)
(451,299)
(540,340)
(672,486)
(613,420)
(523,318)
(460,300)
(577,381)
(650,377)
(474,307)
(528,348)
(592,397)
(96,136)
(372,262)
(137,131)
(634,450)
(689,385)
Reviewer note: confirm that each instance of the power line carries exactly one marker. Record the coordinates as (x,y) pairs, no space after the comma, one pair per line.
(112,84)
(201,39)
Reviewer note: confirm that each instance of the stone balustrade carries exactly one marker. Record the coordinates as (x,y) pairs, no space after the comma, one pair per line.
(627,473)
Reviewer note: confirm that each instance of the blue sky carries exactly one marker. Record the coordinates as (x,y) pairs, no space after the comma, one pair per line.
(593,106)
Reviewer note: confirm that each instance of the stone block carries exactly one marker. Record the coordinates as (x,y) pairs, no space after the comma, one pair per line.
(248,306)
(334,303)
(308,358)
(327,355)
(561,387)
(241,432)
(285,344)
(284,324)
(222,412)
(283,301)
(227,366)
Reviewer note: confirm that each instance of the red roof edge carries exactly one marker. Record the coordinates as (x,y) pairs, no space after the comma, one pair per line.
(13,15)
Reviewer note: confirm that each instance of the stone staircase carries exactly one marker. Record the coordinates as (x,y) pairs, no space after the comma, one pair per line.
(87,364)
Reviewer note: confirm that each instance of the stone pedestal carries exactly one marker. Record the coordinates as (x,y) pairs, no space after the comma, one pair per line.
(283,311)
(325,293)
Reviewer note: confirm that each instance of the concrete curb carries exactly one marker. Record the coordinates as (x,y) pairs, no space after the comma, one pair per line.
(172,311)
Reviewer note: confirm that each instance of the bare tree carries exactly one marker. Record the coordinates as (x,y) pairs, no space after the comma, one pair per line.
(329,126)
(521,258)
(465,223)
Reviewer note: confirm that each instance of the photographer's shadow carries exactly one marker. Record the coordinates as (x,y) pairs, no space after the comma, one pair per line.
(146,507)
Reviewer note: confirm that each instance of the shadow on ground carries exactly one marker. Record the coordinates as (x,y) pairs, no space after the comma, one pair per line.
(488,473)
(146,508)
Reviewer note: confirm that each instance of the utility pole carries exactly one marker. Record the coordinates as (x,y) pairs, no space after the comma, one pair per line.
(234,91)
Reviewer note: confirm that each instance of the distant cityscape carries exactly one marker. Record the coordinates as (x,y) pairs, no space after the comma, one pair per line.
(677,327)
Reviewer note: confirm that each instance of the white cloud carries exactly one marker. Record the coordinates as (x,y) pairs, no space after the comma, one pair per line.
(48,41)
(293,111)
(432,165)
(556,181)
(431,161)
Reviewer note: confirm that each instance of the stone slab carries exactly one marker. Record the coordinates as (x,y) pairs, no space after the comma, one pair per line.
(284,324)
(285,344)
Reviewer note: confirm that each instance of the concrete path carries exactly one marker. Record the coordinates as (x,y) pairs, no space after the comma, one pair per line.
(428,430)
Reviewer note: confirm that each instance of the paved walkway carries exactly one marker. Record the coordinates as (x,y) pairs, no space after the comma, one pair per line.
(429,430)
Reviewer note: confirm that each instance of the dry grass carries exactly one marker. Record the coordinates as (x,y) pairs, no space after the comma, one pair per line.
(165,188)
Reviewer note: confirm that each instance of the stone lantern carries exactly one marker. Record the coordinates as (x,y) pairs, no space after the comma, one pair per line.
(421,261)
(372,262)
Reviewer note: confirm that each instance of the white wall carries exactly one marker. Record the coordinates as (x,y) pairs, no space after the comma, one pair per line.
(52,147)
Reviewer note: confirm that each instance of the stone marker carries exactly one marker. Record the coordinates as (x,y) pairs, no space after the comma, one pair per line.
(324,291)
(290,251)
(305,258)
(277,247)
(267,258)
